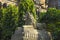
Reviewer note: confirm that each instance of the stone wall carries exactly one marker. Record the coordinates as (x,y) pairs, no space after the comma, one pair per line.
(29,33)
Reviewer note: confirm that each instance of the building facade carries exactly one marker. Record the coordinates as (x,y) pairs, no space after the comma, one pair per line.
(41,5)
(54,4)
(45,4)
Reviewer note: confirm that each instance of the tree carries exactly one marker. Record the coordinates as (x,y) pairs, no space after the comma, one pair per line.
(8,22)
(24,7)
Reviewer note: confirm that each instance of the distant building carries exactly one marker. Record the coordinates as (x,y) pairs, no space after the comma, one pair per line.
(8,1)
(42,5)
(54,4)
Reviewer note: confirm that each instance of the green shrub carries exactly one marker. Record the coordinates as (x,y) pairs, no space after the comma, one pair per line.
(8,21)
(52,20)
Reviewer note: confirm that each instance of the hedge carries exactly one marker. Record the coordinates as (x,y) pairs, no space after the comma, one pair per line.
(8,21)
(52,20)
